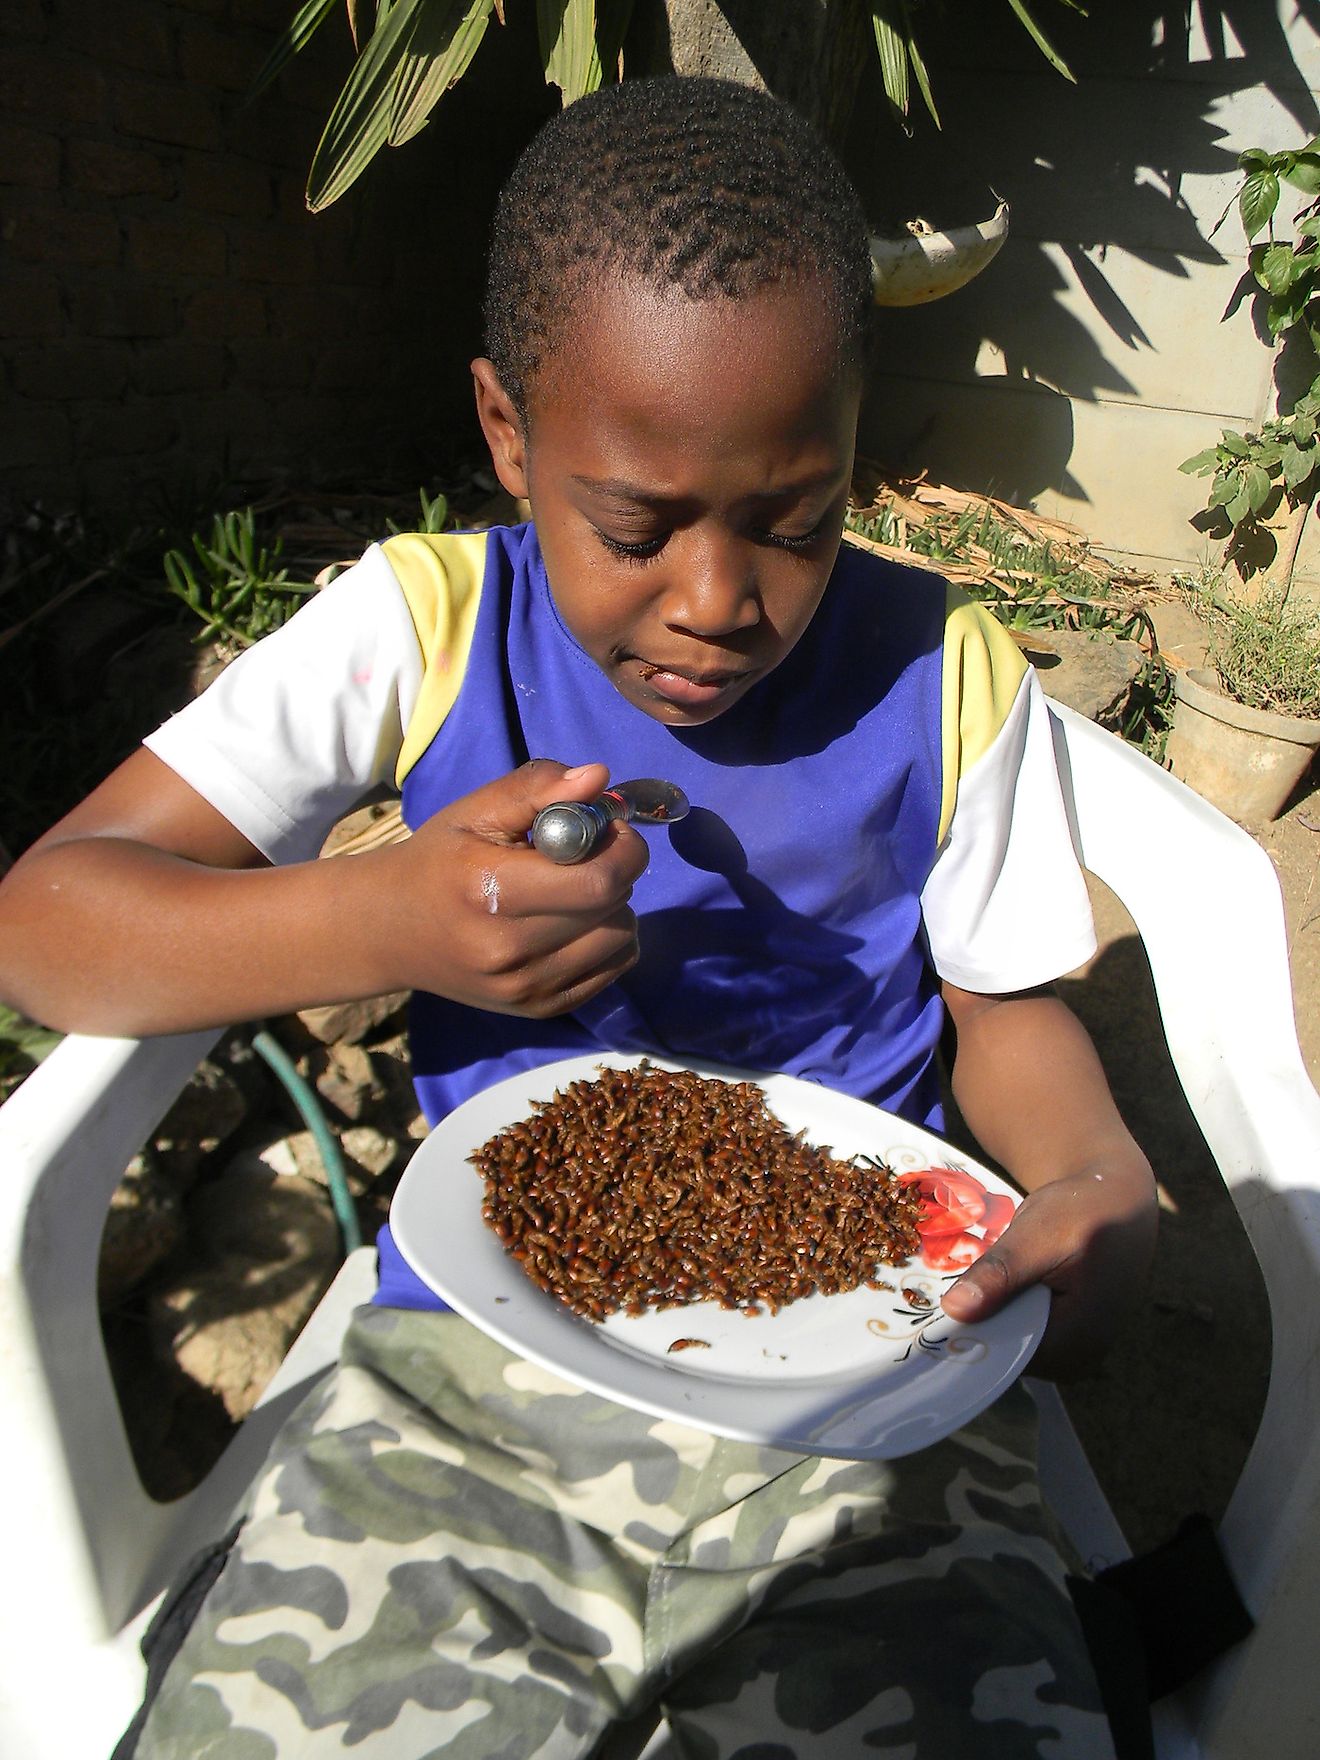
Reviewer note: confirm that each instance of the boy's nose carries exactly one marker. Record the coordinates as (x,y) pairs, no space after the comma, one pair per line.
(713,588)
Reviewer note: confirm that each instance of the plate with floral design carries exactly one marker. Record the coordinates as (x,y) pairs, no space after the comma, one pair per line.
(869,1374)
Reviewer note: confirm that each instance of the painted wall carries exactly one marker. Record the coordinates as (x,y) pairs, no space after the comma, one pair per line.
(1093,355)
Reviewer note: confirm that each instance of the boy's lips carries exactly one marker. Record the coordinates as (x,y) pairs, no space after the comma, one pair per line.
(690,689)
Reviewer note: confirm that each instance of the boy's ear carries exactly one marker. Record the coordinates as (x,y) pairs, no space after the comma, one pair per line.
(503,428)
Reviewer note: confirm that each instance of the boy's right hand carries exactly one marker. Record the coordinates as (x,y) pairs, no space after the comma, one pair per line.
(486,920)
(145,911)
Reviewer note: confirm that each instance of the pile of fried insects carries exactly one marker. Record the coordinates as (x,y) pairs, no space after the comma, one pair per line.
(650,1188)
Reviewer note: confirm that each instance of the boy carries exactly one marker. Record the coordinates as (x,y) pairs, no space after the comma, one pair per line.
(452,1552)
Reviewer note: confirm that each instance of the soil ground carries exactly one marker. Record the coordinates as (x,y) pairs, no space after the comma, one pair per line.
(1169,1420)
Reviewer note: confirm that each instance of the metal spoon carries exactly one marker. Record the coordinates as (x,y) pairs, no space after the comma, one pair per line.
(568,831)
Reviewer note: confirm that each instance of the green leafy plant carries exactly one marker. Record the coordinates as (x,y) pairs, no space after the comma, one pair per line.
(1256,472)
(434,515)
(902,64)
(1288,273)
(232,582)
(60,734)
(23,1045)
(414,51)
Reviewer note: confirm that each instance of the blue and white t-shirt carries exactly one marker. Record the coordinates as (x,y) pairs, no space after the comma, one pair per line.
(879,812)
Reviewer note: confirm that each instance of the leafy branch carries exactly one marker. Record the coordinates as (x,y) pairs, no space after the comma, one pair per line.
(417,50)
(1255,472)
(901,57)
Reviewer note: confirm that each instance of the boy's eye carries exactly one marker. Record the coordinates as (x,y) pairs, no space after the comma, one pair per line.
(639,551)
(795,540)
(643,549)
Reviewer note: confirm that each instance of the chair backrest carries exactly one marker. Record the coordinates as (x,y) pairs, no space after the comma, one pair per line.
(1206,901)
(87,1549)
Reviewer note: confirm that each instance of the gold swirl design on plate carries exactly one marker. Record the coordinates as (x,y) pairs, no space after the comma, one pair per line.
(971,1350)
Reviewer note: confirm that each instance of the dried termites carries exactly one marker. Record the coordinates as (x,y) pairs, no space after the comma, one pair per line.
(650,1188)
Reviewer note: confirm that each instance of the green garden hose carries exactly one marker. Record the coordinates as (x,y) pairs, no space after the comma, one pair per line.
(267,1046)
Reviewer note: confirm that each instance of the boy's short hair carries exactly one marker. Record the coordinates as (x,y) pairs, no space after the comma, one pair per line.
(700,184)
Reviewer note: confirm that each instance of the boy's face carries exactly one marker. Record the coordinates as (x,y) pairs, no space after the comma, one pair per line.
(688,464)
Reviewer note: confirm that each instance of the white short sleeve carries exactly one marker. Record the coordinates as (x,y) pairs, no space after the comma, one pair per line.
(309,720)
(1006,905)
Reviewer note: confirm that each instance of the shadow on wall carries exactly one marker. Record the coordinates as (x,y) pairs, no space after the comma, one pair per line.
(1121,162)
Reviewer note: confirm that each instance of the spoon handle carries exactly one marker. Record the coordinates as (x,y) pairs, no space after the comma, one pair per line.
(568,831)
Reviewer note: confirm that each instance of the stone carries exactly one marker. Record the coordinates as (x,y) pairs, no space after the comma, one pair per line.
(391,1063)
(206,1114)
(1093,674)
(266,1248)
(295,1154)
(352,1022)
(368,1155)
(372,1151)
(142,1228)
(347,1080)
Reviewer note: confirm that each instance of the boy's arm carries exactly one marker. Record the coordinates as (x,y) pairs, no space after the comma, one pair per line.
(146,911)
(1029,1084)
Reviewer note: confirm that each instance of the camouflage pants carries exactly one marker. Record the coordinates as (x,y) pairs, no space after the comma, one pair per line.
(453,1552)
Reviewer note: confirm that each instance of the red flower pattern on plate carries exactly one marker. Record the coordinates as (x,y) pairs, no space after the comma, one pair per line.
(953,1203)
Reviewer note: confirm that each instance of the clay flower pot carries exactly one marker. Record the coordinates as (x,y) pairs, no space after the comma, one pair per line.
(1244,761)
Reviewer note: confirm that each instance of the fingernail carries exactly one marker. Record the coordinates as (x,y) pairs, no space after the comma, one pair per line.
(576,771)
(967,1295)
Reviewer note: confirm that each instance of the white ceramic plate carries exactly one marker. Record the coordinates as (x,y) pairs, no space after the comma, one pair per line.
(865,1375)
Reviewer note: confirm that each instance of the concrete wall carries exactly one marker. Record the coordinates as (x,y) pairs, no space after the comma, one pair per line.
(1092,356)
(170,314)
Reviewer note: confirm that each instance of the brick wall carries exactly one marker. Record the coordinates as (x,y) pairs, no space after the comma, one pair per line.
(170,314)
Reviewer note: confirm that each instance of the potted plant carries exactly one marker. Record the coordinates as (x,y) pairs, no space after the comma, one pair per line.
(1246,726)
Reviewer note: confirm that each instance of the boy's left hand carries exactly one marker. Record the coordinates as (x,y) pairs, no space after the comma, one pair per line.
(1089,1239)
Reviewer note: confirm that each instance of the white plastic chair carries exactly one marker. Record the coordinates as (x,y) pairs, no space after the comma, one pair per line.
(88,1552)
(1206,902)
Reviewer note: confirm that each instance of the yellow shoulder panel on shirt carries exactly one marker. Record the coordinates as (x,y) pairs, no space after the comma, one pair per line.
(983,669)
(440,575)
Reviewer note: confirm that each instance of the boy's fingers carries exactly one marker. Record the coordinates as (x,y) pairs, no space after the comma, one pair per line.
(541,927)
(551,977)
(986,1286)
(619,958)
(504,809)
(1000,1274)
(1034,1248)
(523,883)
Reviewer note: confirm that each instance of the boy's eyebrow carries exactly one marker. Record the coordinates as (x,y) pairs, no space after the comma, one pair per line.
(625,491)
